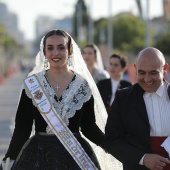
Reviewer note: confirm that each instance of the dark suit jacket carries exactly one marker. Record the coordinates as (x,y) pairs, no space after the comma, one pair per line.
(127,132)
(105,89)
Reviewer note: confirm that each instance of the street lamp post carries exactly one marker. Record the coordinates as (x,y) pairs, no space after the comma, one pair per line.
(147,38)
(91,23)
(79,21)
(110,28)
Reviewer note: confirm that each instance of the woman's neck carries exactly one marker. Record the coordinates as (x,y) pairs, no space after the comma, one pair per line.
(58,74)
(90,68)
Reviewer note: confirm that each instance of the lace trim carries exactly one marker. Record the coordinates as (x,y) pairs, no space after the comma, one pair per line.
(73,97)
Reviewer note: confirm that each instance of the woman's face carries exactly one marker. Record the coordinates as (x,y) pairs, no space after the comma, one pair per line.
(89,56)
(56,51)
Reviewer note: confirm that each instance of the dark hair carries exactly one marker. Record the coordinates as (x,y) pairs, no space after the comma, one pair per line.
(93,46)
(60,33)
(123,59)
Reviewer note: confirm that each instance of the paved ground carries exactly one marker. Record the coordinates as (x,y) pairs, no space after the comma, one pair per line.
(9,95)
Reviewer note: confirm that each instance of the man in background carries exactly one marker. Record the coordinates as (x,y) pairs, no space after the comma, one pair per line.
(108,87)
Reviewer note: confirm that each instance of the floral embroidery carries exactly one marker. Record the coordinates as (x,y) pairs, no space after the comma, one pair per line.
(73,97)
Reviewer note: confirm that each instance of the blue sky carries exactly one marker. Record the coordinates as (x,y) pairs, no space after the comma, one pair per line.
(29,10)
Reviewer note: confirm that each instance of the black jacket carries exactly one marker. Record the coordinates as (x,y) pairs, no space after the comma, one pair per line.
(127,132)
(105,89)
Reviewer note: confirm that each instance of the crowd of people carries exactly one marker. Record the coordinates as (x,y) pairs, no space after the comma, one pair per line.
(86,115)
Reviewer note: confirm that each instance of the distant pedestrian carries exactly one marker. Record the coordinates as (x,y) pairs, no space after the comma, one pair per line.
(108,87)
(94,62)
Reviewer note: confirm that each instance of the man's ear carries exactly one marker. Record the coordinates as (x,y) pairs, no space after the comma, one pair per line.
(135,66)
(166,66)
(125,68)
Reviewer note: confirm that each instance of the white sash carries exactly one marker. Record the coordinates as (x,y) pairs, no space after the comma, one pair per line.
(55,122)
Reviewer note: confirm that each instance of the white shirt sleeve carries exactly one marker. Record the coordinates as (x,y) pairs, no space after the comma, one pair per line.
(141,161)
(166,145)
(10,164)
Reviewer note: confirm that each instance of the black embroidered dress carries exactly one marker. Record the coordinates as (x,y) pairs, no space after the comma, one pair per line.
(44,151)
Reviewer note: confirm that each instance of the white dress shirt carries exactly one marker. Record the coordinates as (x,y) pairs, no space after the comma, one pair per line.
(114,84)
(158,109)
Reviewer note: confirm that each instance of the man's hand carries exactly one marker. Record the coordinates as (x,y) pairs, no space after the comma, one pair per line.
(155,162)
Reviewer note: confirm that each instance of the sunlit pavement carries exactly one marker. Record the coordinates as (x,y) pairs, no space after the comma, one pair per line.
(9,95)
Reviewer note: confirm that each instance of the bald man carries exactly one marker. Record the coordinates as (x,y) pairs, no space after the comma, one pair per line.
(139,119)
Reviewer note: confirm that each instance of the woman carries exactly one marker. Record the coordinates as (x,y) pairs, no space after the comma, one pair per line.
(93,59)
(63,84)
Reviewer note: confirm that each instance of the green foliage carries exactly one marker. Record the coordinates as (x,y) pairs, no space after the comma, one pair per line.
(128,32)
(100,26)
(163,44)
(5,40)
(11,53)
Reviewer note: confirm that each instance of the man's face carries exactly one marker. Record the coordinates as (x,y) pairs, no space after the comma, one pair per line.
(150,72)
(115,68)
